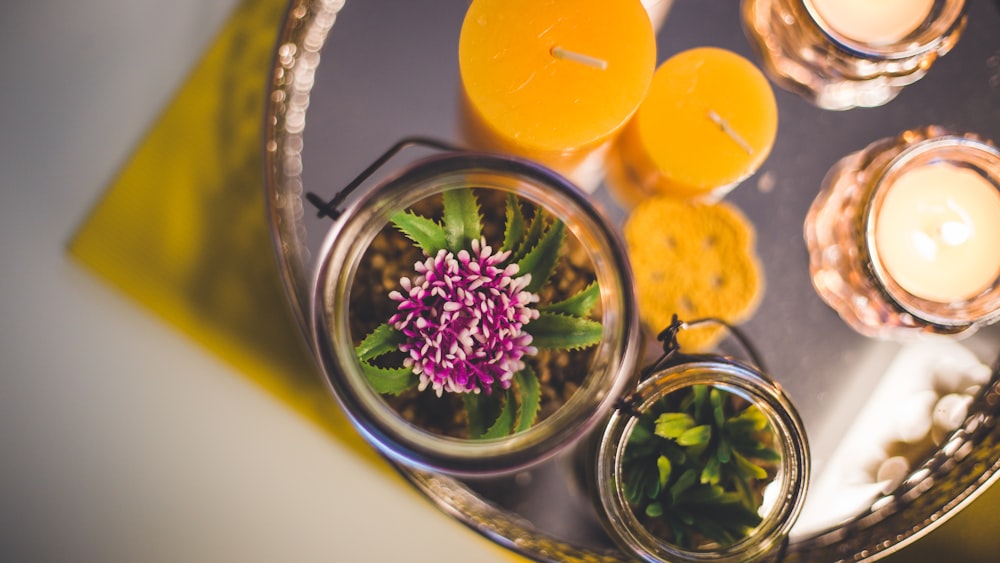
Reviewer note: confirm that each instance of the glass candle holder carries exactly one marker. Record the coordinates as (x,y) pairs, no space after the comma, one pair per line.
(707,461)
(842,54)
(904,236)
(459,365)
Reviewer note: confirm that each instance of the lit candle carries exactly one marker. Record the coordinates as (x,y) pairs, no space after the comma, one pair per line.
(553,80)
(937,233)
(875,22)
(708,122)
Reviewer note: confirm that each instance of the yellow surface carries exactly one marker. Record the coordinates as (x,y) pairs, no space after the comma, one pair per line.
(527,101)
(674,146)
(182,230)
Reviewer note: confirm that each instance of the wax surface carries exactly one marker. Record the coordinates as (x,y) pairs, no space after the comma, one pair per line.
(937,233)
(876,22)
(676,132)
(536,102)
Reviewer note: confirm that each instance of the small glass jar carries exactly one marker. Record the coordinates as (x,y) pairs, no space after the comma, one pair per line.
(778,496)
(837,64)
(611,364)
(859,278)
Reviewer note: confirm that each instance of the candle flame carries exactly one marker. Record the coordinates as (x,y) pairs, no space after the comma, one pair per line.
(728,130)
(565,54)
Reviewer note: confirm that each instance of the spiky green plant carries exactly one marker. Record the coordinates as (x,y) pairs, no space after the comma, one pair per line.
(695,466)
(469,321)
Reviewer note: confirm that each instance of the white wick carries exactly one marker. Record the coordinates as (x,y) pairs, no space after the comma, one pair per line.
(728,130)
(560,53)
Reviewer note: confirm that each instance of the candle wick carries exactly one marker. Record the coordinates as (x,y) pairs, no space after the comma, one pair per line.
(565,54)
(728,130)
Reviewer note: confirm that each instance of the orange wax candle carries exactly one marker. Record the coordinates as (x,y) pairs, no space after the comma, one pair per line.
(937,233)
(553,80)
(708,122)
(876,22)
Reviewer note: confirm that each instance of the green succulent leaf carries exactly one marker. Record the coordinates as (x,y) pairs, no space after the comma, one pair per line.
(424,232)
(683,483)
(462,219)
(382,340)
(664,468)
(654,510)
(700,396)
(530,391)
(481,410)
(697,436)
(514,226)
(710,475)
(555,331)
(723,453)
(531,238)
(392,381)
(540,261)
(504,423)
(671,425)
(578,305)
(748,469)
(718,416)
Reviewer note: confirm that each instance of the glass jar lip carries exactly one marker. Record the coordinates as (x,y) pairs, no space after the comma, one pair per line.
(733,376)
(945,16)
(342,251)
(964,150)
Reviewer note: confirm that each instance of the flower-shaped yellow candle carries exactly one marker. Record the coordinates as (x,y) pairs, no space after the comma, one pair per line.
(553,80)
(708,122)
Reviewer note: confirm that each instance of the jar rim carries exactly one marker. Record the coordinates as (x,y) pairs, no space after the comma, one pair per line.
(938,147)
(735,377)
(348,241)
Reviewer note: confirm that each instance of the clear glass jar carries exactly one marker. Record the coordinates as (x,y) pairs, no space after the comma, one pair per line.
(611,364)
(804,54)
(847,269)
(780,495)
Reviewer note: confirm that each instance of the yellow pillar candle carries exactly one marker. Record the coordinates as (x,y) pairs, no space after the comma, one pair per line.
(937,233)
(875,22)
(553,80)
(708,122)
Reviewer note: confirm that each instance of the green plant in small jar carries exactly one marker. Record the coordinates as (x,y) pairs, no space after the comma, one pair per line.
(696,465)
(470,320)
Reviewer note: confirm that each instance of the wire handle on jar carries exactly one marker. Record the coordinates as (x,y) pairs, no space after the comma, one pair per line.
(672,354)
(329,208)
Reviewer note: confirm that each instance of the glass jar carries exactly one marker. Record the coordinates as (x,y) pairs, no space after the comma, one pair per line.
(391,427)
(683,529)
(852,267)
(835,65)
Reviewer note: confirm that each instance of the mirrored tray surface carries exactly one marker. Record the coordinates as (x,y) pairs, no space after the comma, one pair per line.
(389,70)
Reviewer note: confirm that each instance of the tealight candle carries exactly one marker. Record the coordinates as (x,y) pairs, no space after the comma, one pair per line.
(876,22)
(938,233)
(904,236)
(553,81)
(708,122)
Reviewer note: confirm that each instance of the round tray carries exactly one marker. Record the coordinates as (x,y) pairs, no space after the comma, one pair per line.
(390,70)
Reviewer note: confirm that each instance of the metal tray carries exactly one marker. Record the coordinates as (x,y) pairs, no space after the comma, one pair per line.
(389,70)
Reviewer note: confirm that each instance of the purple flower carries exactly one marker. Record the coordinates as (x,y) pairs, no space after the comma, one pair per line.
(463,317)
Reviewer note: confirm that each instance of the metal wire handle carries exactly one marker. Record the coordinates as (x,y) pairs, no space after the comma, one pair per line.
(328,208)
